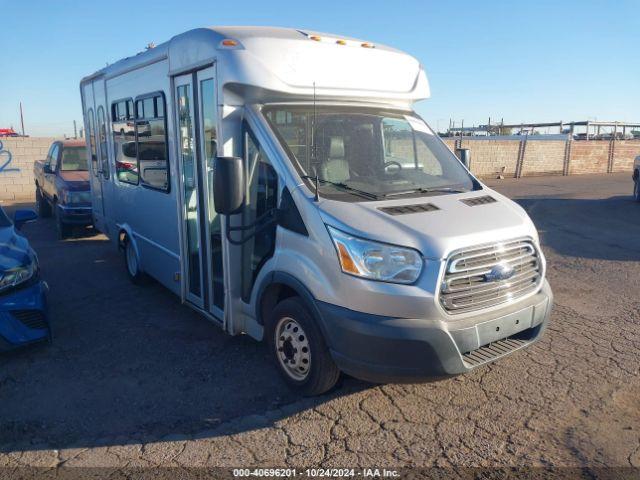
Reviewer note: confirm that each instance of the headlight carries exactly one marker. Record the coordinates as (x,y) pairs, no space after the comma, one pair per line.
(376,261)
(17,275)
(76,197)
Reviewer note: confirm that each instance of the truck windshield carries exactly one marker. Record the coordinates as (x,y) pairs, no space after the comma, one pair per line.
(367,154)
(74,159)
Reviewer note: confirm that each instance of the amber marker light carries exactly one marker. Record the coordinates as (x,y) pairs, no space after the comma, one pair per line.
(315,38)
(346,262)
(341,42)
(367,45)
(227,42)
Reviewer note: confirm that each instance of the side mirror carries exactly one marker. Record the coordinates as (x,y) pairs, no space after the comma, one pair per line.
(24,216)
(228,184)
(47,168)
(464,155)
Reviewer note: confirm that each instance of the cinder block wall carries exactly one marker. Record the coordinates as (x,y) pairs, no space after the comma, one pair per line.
(589,157)
(17,156)
(527,157)
(543,157)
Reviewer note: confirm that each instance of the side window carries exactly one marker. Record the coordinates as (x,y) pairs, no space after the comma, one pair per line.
(151,135)
(54,157)
(124,141)
(91,127)
(261,196)
(102,142)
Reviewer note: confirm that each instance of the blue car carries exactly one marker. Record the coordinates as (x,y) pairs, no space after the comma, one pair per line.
(23,296)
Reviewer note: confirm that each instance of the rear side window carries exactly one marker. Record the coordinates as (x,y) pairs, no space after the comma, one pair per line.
(151,136)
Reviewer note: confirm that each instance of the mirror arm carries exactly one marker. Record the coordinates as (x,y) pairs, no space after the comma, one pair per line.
(266,219)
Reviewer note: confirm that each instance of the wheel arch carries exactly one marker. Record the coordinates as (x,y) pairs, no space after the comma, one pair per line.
(125,235)
(278,286)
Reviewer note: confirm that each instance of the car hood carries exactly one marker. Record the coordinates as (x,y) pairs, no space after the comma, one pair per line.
(75,180)
(451,226)
(14,249)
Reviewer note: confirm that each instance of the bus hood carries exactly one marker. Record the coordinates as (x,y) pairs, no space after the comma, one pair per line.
(454,223)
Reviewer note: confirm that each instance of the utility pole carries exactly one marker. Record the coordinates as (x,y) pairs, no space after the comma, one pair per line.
(75,130)
(21,119)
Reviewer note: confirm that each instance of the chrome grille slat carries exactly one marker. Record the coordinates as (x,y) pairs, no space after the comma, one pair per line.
(465,286)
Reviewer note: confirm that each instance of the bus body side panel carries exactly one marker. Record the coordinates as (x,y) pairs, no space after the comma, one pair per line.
(151,215)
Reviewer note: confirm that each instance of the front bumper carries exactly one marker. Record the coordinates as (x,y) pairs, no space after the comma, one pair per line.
(76,215)
(24,316)
(386,349)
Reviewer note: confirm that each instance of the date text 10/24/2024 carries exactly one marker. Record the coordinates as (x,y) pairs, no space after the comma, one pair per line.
(316,472)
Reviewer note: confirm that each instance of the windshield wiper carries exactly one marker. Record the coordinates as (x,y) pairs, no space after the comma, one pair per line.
(344,186)
(424,190)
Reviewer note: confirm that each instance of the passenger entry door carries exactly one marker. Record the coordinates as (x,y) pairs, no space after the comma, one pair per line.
(196,112)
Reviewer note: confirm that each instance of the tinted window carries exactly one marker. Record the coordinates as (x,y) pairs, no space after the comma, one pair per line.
(124,141)
(102,142)
(53,162)
(153,162)
(74,159)
(91,128)
(262,189)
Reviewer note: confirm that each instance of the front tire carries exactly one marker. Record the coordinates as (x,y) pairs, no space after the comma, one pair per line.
(299,349)
(63,230)
(42,205)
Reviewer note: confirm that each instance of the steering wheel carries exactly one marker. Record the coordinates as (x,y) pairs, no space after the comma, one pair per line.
(393,162)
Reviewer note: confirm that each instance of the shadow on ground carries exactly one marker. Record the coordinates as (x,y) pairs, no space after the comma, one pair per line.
(588,228)
(129,363)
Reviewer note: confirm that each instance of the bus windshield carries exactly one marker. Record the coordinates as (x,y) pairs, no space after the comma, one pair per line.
(363,153)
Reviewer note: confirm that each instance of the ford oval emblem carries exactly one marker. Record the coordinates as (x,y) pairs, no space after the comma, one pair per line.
(501,271)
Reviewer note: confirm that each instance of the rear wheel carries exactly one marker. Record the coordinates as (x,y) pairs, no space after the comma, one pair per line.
(636,187)
(42,205)
(299,349)
(63,229)
(132,263)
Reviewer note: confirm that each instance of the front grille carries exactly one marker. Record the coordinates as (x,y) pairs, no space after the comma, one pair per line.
(31,318)
(471,283)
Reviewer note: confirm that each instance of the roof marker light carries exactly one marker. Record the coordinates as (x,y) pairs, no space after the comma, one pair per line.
(228,42)
(341,42)
(367,45)
(315,38)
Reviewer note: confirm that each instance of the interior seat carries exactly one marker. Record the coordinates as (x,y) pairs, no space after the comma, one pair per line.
(335,168)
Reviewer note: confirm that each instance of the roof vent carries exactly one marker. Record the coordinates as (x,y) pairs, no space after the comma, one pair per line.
(406,209)
(475,201)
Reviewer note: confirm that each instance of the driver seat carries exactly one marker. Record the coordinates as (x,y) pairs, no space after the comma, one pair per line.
(335,168)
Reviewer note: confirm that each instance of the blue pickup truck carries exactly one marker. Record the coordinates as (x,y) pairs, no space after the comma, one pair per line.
(62,186)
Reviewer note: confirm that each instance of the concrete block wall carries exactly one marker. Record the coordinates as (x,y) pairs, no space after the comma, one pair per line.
(527,157)
(543,157)
(589,157)
(624,153)
(17,156)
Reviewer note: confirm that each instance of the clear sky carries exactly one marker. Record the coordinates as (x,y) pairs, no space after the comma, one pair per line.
(522,61)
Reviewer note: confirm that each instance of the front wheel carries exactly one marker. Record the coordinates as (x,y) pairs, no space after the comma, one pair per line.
(42,205)
(636,188)
(299,349)
(63,230)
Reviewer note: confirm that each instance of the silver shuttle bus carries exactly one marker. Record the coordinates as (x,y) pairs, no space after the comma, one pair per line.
(280,183)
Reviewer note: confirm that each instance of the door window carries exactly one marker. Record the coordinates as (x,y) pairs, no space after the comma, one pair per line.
(261,196)
(187,155)
(209,147)
(102,136)
(91,127)
(54,155)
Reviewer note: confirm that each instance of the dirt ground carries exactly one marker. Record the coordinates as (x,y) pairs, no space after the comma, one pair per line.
(134,378)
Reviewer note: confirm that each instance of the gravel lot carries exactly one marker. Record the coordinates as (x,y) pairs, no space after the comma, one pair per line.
(133,378)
